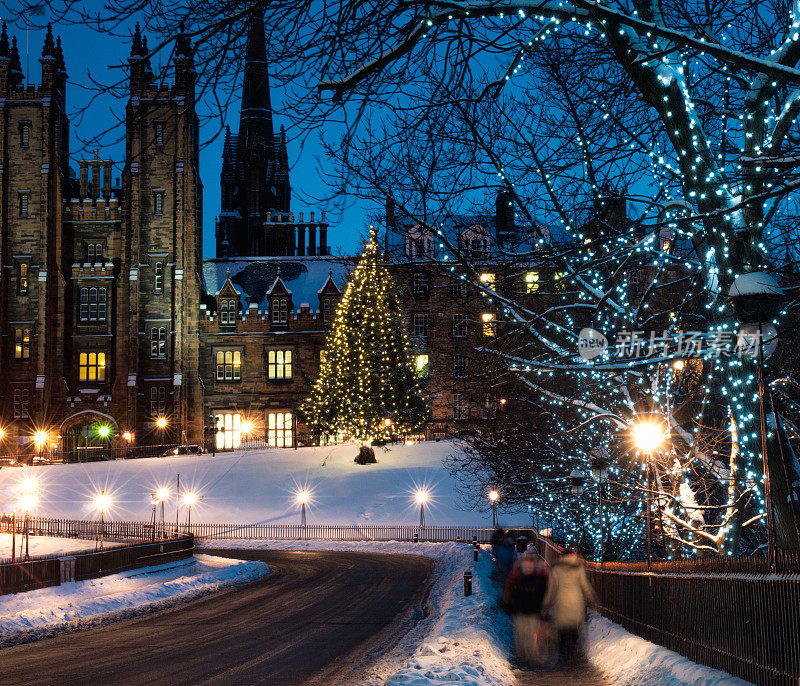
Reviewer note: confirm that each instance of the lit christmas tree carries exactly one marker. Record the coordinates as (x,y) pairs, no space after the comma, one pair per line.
(367,389)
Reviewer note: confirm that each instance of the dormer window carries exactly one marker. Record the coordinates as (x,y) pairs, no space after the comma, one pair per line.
(227,311)
(418,245)
(25,134)
(327,311)
(94,253)
(280,311)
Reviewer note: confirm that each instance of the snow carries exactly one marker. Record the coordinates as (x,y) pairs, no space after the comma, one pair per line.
(631,661)
(260,486)
(49,545)
(78,605)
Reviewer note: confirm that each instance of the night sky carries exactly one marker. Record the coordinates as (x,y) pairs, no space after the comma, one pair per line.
(86,50)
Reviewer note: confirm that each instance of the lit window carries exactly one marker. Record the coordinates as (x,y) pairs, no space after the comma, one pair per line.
(229,365)
(158,342)
(22,344)
(22,283)
(158,401)
(158,279)
(24,200)
(229,435)
(532,282)
(279,364)
(487,281)
(421,325)
(92,367)
(459,326)
(560,280)
(279,429)
(20,403)
(488,324)
(280,311)
(423,365)
(459,366)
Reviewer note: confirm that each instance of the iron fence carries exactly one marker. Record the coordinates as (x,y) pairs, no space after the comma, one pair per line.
(92,529)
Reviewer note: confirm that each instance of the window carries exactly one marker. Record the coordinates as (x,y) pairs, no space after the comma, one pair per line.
(279,364)
(158,202)
(24,199)
(158,279)
(459,326)
(487,281)
(280,311)
(21,403)
(92,367)
(22,344)
(488,408)
(229,365)
(532,282)
(93,306)
(559,279)
(459,366)
(279,429)
(459,406)
(421,325)
(159,132)
(158,401)
(227,311)
(423,365)
(327,311)
(419,246)
(25,134)
(458,289)
(94,252)
(489,327)
(158,342)
(22,279)
(420,285)
(229,432)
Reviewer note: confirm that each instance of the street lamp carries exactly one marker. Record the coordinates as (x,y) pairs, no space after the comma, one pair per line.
(421,497)
(40,438)
(29,498)
(648,435)
(190,499)
(598,463)
(160,496)
(101,503)
(493,496)
(303,497)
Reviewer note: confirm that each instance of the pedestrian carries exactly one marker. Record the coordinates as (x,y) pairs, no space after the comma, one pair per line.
(568,592)
(523,598)
(503,553)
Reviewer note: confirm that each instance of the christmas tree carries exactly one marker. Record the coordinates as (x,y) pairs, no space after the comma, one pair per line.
(367,389)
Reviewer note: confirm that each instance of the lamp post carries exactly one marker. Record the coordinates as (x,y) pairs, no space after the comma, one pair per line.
(648,435)
(757,298)
(303,497)
(493,497)
(102,502)
(189,499)
(28,501)
(421,497)
(40,438)
(598,463)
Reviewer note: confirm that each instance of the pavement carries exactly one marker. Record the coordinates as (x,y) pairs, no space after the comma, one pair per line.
(585,675)
(311,621)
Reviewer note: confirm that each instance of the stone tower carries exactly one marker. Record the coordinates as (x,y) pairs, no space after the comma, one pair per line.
(255,165)
(34,171)
(158,336)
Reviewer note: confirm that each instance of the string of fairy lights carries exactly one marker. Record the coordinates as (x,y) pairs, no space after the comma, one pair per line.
(368,389)
(718,168)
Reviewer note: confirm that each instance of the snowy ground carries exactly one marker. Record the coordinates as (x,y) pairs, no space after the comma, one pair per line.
(466,639)
(260,486)
(45,612)
(49,545)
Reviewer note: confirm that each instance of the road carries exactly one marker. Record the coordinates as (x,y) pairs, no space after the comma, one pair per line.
(303,624)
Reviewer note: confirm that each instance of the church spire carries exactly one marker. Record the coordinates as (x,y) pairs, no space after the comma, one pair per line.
(256,116)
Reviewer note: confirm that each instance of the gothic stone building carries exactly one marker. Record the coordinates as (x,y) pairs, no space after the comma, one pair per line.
(109,314)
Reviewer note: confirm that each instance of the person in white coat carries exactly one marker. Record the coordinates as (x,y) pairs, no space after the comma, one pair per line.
(568,592)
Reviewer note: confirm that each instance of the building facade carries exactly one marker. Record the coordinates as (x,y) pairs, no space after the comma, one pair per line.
(110,316)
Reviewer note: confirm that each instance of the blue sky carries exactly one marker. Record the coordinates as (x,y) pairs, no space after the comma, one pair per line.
(89,52)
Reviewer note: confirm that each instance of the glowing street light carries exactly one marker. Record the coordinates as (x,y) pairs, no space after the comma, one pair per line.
(303,497)
(189,499)
(104,431)
(246,427)
(2,433)
(101,502)
(648,435)
(127,436)
(493,497)
(161,423)
(421,497)
(40,439)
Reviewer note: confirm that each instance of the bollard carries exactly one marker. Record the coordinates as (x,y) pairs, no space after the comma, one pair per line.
(458,539)
(467,583)
(474,540)
(475,549)
(416,538)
